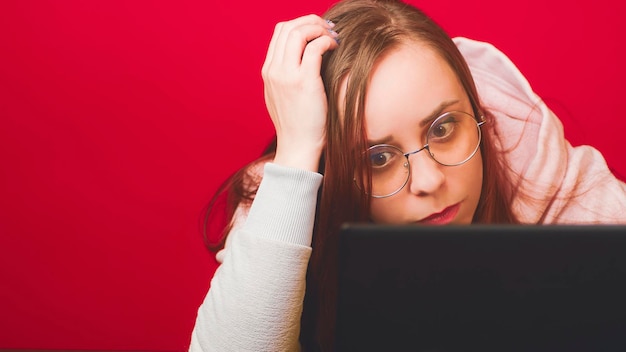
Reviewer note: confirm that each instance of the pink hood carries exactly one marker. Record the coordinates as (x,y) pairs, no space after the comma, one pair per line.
(559,183)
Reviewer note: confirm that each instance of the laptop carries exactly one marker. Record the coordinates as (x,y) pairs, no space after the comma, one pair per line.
(481,288)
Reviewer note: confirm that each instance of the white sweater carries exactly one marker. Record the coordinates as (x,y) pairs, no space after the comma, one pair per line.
(256,295)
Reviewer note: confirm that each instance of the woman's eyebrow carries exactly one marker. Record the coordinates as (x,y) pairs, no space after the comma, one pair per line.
(386,140)
(437,112)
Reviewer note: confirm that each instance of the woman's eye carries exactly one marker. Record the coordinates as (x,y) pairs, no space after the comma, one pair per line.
(442,130)
(381,159)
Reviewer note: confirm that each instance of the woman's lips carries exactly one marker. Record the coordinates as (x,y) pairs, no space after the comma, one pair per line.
(442,218)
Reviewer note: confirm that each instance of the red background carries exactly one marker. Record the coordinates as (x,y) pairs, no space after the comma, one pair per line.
(118,120)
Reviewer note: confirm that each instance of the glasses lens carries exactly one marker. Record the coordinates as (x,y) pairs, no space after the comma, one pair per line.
(390,169)
(453,138)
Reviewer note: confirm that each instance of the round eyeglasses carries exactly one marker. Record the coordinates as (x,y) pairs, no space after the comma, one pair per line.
(452,139)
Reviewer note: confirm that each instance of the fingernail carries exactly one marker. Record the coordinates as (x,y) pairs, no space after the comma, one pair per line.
(330,23)
(334,34)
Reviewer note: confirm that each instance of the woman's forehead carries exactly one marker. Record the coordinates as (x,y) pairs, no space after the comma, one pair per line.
(410,74)
(409,82)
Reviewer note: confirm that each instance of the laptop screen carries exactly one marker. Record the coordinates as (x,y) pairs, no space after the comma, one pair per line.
(477,288)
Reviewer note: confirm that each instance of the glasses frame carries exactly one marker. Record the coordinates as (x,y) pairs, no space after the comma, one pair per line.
(427,147)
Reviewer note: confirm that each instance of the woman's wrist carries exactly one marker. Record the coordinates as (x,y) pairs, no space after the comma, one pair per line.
(303,159)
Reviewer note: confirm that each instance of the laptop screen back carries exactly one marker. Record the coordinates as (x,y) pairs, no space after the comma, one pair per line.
(477,288)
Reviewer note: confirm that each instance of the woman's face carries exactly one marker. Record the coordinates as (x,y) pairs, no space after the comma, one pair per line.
(409,85)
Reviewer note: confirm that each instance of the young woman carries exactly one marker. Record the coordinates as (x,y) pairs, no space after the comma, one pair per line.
(403,125)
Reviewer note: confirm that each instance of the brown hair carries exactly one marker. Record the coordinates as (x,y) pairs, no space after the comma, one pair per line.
(367,30)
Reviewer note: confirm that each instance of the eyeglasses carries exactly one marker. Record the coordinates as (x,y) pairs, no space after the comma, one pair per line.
(452,139)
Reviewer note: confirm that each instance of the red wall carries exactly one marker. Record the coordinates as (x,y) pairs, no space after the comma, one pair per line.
(118,119)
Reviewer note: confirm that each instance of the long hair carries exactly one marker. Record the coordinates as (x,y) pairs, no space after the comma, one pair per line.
(367,30)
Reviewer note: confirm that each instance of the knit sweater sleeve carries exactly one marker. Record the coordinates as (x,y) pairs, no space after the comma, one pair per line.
(256,295)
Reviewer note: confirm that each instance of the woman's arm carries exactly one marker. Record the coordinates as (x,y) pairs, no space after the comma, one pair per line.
(256,295)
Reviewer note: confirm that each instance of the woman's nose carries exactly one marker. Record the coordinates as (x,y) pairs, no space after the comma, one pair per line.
(426,174)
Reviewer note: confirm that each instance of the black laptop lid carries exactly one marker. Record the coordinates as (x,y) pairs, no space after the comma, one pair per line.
(477,288)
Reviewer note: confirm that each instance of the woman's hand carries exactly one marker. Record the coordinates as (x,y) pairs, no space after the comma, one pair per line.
(294,92)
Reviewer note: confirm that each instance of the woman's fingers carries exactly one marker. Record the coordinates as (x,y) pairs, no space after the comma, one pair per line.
(290,38)
(288,27)
(312,56)
(301,37)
